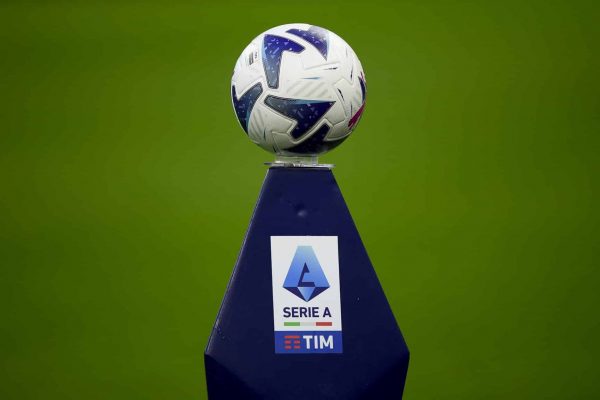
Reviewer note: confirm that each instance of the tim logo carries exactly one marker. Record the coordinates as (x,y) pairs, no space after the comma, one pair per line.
(305,278)
(291,342)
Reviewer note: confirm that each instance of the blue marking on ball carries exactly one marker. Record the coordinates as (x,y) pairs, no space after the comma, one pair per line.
(244,105)
(305,112)
(316,36)
(273,48)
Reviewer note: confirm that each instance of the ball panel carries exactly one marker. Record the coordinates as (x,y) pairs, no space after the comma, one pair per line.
(248,70)
(264,122)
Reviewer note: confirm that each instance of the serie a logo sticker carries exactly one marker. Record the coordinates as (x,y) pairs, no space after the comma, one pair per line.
(307,313)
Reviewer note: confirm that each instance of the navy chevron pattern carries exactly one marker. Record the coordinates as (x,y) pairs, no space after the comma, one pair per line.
(316,143)
(307,113)
(273,48)
(244,105)
(316,36)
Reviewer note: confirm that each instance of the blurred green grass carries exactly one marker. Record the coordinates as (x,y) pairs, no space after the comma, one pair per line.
(126,187)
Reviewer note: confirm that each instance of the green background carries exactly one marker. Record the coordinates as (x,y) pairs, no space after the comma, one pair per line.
(127,186)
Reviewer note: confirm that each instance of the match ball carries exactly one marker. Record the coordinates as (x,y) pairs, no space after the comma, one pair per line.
(298,90)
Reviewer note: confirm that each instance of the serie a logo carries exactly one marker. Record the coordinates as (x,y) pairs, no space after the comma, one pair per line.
(305,278)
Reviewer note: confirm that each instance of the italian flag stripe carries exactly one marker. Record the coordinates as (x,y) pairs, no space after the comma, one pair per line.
(318,323)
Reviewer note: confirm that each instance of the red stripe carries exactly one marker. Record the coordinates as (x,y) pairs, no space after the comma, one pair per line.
(324,323)
(292,337)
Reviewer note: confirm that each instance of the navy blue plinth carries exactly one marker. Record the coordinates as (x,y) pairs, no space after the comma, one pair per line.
(240,359)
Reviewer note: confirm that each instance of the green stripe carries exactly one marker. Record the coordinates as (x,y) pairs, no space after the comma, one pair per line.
(291,324)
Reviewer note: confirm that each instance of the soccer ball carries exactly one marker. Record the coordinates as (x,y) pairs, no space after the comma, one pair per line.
(298,90)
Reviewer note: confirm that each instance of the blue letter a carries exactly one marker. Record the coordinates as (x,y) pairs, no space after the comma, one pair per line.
(305,277)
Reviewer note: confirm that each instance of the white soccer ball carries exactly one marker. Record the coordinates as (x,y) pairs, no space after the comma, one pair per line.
(298,90)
